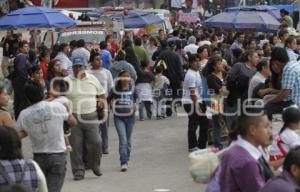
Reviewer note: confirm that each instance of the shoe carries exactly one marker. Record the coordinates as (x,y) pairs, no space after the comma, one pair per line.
(193,149)
(124,168)
(78,177)
(97,172)
(105,152)
(142,119)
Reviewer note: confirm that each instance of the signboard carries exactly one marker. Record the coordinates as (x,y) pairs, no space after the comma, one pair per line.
(188,18)
(92,32)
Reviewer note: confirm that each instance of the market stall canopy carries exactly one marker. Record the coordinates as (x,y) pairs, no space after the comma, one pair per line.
(290,7)
(245,19)
(272,10)
(35,18)
(137,19)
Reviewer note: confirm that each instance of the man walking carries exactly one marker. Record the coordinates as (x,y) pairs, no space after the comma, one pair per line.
(19,78)
(83,93)
(43,122)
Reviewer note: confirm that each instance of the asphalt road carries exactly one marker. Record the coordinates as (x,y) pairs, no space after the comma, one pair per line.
(159,161)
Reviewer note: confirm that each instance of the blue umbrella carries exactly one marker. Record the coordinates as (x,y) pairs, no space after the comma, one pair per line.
(270,9)
(245,20)
(35,18)
(138,19)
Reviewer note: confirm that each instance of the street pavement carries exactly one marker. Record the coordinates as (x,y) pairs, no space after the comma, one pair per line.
(159,161)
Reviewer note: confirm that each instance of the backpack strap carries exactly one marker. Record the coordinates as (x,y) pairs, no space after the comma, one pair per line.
(5,175)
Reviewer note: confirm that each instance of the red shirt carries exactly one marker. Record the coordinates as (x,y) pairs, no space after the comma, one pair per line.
(44,67)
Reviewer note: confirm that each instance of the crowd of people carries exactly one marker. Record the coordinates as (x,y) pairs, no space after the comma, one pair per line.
(229,83)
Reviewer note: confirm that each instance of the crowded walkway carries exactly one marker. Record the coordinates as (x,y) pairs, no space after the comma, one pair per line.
(125,114)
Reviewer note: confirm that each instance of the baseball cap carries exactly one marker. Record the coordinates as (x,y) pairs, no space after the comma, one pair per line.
(78,61)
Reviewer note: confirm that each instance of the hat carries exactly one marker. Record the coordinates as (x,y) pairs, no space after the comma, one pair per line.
(192,40)
(79,61)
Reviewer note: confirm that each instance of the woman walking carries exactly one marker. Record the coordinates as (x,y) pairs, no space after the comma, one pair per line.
(123,99)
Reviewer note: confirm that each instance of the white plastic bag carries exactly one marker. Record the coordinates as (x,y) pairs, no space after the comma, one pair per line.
(203,163)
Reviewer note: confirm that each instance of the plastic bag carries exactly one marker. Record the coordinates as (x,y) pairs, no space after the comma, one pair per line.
(203,164)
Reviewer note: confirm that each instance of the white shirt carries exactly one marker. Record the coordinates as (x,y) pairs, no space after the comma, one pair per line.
(43,122)
(144,91)
(192,48)
(66,63)
(205,42)
(81,52)
(290,140)
(104,76)
(255,80)
(192,80)
(160,81)
(292,55)
(65,101)
(252,150)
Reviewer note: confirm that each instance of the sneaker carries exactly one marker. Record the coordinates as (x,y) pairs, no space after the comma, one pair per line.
(78,177)
(124,168)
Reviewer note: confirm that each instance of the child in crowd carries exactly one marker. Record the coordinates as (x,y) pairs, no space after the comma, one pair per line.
(144,91)
(161,84)
(56,93)
(287,137)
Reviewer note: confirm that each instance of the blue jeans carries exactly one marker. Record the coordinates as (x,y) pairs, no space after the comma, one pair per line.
(124,126)
(216,130)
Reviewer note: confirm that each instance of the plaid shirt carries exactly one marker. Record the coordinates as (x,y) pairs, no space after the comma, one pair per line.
(291,80)
(15,169)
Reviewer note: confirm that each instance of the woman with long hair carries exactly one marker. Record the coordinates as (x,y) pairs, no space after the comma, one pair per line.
(5,117)
(123,100)
(214,73)
(54,70)
(14,169)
